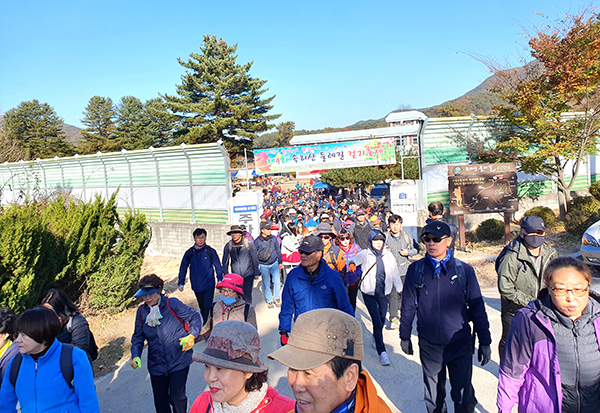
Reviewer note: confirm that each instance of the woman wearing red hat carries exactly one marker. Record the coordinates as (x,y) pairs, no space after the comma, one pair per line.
(231,305)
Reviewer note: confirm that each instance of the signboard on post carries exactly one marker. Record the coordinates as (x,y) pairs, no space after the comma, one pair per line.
(326,156)
(483,188)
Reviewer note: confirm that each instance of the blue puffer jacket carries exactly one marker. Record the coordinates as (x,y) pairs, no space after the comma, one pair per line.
(164,351)
(41,387)
(202,263)
(300,296)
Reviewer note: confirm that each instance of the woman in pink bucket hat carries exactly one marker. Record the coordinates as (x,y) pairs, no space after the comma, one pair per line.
(230,306)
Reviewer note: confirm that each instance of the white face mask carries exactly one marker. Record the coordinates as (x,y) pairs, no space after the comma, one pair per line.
(274,233)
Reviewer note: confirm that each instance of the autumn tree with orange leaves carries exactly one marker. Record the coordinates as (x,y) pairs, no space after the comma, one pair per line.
(551,117)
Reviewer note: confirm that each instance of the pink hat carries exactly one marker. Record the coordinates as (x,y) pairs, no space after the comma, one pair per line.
(233,281)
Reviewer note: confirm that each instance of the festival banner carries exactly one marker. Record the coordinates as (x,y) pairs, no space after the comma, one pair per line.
(326,156)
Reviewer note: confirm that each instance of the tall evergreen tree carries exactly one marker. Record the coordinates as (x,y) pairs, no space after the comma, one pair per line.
(133,125)
(99,118)
(162,124)
(285,132)
(218,99)
(36,127)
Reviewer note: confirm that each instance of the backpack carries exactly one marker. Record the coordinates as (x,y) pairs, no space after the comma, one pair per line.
(185,324)
(500,257)
(92,346)
(460,273)
(265,254)
(66,366)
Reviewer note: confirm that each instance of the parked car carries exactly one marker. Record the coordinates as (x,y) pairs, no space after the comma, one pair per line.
(590,245)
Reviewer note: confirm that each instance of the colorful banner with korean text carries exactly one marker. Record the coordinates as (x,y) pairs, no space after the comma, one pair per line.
(326,156)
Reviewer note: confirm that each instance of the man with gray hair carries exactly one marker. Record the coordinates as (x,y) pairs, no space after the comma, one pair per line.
(324,355)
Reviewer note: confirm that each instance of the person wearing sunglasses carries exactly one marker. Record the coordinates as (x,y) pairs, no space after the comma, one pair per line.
(447,294)
(349,248)
(332,254)
(551,360)
(311,285)
(520,267)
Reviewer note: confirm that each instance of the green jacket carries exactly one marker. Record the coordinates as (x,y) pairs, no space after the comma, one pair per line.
(518,280)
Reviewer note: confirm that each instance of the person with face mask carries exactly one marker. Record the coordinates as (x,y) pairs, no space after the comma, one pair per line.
(230,306)
(520,267)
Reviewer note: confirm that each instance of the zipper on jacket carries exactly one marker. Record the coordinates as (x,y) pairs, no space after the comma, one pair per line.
(577,370)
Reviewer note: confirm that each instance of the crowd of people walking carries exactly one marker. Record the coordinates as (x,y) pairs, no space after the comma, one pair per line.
(314,254)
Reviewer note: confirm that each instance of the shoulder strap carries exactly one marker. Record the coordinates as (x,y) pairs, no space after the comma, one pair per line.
(229,245)
(246,311)
(406,239)
(246,243)
(460,271)
(370,268)
(14,369)
(66,364)
(185,325)
(141,310)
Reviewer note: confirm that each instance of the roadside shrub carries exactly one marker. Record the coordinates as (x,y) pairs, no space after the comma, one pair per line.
(71,245)
(584,203)
(490,229)
(595,190)
(113,285)
(543,212)
(576,222)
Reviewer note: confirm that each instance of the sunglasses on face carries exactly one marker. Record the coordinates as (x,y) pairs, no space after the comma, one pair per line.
(427,239)
(305,253)
(344,238)
(324,237)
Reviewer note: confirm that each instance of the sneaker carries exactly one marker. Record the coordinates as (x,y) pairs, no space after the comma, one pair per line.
(395,324)
(270,305)
(278,302)
(384,359)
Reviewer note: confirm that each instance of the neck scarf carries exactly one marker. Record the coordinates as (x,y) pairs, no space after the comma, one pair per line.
(154,317)
(250,403)
(439,264)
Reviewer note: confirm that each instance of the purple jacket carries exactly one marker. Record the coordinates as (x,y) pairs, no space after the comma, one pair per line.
(529,370)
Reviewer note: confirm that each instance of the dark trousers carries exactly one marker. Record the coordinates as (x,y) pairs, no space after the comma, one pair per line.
(205,302)
(248,284)
(394,303)
(170,391)
(457,358)
(352,293)
(377,307)
(506,318)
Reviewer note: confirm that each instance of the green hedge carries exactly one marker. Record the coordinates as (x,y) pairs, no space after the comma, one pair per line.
(75,246)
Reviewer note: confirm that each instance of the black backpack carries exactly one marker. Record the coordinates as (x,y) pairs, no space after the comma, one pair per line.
(66,366)
(92,346)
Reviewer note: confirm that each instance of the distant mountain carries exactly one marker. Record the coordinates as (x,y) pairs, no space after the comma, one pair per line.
(72,133)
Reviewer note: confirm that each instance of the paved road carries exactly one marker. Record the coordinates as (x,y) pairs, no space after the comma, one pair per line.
(128,390)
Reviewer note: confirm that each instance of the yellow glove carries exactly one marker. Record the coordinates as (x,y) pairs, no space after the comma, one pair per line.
(136,363)
(187,342)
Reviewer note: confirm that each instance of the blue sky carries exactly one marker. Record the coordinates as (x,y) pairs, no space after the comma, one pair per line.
(330,64)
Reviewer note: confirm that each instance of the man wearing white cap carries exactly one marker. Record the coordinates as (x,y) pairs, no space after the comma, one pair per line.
(324,355)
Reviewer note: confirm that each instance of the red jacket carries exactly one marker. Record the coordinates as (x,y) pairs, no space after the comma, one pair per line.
(272,403)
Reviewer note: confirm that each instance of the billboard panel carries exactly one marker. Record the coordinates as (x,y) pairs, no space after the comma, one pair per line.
(326,156)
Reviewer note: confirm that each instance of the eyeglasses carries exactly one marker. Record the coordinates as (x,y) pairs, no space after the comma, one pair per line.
(324,237)
(437,240)
(577,292)
(304,252)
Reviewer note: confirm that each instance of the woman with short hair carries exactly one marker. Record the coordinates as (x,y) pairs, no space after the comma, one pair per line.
(40,384)
(349,248)
(551,360)
(234,374)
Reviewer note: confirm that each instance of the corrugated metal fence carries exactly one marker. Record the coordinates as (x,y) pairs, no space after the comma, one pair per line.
(176,184)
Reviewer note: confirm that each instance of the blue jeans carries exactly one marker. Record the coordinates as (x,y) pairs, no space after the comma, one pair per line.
(270,273)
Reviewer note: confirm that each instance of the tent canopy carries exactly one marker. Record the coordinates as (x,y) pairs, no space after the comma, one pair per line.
(320,185)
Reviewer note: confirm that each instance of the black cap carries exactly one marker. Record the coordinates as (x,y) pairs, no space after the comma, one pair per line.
(532,224)
(266,225)
(311,243)
(437,228)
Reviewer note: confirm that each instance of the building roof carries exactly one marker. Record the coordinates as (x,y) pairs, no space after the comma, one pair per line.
(405,115)
(354,135)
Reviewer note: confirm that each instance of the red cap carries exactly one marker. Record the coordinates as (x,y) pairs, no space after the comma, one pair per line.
(233,281)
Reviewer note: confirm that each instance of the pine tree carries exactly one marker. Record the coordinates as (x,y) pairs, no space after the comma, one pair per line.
(285,132)
(133,126)
(99,119)
(162,124)
(218,99)
(37,128)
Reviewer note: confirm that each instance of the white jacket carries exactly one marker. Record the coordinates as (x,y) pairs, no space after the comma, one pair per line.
(366,258)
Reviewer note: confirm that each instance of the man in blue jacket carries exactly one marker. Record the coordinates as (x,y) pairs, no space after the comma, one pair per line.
(203,262)
(268,252)
(311,285)
(448,296)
